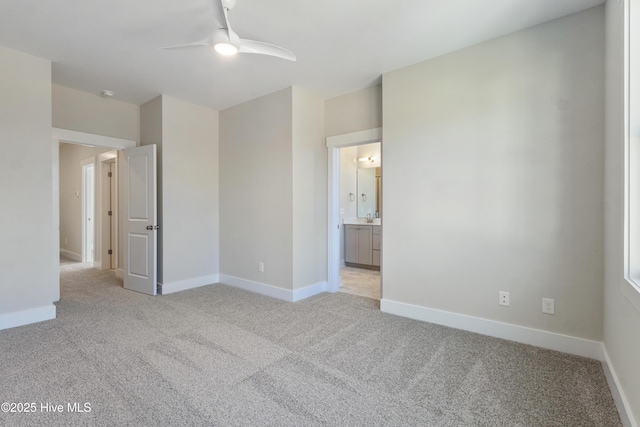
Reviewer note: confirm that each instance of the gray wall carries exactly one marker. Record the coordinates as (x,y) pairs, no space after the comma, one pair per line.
(151,133)
(621,318)
(189,191)
(309,190)
(256,190)
(90,113)
(273,190)
(186,136)
(493,178)
(356,111)
(26,198)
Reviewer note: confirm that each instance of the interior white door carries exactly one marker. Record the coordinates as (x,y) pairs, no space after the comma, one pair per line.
(88,203)
(140,216)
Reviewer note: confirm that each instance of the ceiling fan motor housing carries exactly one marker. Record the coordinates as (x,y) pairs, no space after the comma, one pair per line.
(228,4)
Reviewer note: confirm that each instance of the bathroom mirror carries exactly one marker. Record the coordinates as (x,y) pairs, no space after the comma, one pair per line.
(368,195)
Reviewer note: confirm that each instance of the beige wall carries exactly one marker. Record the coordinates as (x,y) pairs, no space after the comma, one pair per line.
(71,157)
(493,178)
(151,133)
(86,112)
(26,198)
(309,190)
(621,318)
(189,191)
(356,111)
(256,190)
(186,136)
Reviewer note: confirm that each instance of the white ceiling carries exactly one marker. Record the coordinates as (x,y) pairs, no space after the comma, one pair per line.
(341,45)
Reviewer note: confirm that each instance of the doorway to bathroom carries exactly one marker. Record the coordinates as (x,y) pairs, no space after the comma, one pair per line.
(355,213)
(360,213)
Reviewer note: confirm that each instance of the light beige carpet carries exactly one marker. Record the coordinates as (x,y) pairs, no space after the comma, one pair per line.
(220,356)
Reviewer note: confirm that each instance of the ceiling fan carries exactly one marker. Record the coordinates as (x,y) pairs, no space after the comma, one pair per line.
(226,42)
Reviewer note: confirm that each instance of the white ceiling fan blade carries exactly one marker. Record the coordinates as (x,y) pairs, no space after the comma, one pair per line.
(203,42)
(220,13)
(252,46)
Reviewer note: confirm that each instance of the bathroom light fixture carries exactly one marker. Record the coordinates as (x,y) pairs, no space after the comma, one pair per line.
(108,93)
(367,159)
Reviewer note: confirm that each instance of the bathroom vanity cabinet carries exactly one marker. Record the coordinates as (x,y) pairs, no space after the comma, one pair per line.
(362,244)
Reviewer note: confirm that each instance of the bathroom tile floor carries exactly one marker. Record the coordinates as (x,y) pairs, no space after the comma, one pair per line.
(360,281)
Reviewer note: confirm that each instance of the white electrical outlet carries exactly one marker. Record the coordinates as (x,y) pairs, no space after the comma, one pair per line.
(505,298)
(548,306)
(261,267)
(65,240)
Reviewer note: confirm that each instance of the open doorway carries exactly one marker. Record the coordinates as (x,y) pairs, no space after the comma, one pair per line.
(355,213)
(85,201)
(87,219)
(360,215)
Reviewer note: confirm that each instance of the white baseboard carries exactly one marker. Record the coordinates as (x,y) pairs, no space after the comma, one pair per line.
(274,291)
(120,273)
(25,317)
(536,337)
(620,399)
(183,285)
(71,255)
(309,291)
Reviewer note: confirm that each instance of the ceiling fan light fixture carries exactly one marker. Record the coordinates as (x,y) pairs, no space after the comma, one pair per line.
(226,49)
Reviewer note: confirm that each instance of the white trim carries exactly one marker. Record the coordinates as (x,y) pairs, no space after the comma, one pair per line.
(274,291)
(55,214)
(257,287)
(355,138)
(632,293)
(120,273)
(309,291)
(90,139)
(74,256)
(183,285)
(88,164)
(25,317)
(620,399)
(536,337)
(333,219)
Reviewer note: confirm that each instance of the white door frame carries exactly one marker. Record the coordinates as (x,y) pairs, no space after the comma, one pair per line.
(108,191)
(71,137)
(334,143)
(88,210)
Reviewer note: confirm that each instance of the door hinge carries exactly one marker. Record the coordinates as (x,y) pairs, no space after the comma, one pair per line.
(109,213)
(110,252)
(109,174)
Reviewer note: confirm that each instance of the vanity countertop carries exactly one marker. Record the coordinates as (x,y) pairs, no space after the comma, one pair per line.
(361,221)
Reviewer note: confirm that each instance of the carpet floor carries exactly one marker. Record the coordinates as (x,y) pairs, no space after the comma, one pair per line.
(219,356)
